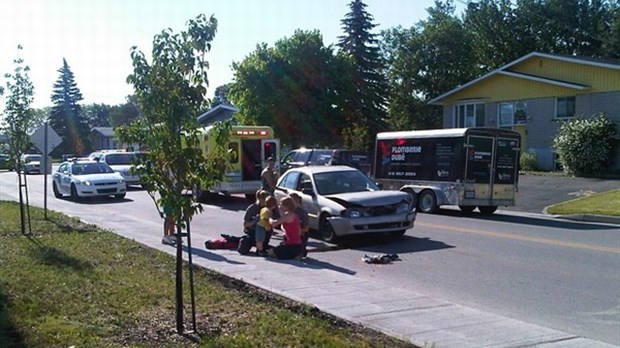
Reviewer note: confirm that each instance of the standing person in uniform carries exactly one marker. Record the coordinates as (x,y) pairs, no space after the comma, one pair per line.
(303,222)
(269,176)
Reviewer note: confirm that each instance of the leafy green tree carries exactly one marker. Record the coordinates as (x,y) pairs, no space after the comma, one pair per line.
(585,145)
(66,117)
(98,115)
(293,87)
(424,62)
(18,120)
(221,95)
(125,113)
(366,108)
(171,92)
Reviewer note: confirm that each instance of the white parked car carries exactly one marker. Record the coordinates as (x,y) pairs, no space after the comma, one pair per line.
(87,179)
(119,161)
(342,200)
(31,163)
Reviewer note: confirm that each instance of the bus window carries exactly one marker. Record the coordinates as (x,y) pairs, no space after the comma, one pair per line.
(269,149)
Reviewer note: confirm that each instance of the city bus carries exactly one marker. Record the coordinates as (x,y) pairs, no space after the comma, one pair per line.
(465,167)
(250,147)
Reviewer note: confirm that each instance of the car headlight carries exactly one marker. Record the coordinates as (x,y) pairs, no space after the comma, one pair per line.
(403,208)
(85,183)
(354,214)
(120,181)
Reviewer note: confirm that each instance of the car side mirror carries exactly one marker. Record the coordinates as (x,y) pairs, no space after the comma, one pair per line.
(307,191)
(380,186)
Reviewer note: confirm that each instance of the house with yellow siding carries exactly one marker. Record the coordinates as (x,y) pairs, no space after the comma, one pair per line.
(533,95)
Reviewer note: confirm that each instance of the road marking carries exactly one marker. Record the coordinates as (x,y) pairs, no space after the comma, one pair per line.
(523,238)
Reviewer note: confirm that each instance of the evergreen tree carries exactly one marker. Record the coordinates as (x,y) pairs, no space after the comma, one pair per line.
(366,106)
(66,117)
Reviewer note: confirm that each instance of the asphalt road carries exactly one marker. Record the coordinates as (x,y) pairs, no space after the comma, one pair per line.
(537,192)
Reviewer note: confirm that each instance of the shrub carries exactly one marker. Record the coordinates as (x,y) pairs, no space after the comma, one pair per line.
(585,146)
(528,161)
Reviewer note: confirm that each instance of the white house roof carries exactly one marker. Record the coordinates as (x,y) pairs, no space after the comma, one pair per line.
(599,62)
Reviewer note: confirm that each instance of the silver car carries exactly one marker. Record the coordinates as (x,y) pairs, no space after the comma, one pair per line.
(341,200)
(31,163)
(120,162)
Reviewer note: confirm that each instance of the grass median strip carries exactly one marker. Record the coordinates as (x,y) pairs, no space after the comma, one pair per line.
(606,203)
(72,284)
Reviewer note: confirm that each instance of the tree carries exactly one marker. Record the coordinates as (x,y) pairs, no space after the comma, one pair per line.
(221,95)
(171,93)
(18,120)
(424,62)
(293,87)
(366,108)
(124,114)
(66,117)
(97,115)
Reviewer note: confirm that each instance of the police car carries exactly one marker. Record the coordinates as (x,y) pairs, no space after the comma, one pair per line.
(86,178)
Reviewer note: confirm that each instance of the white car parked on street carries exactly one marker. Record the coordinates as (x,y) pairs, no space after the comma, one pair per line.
(341,200)
(119,161)
(81,179)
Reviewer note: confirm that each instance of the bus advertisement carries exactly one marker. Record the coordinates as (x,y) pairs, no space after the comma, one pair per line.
(250,147)
(468,167)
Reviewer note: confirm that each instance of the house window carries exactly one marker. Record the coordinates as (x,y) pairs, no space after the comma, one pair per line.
(469,115)
(512,113)
(565,107)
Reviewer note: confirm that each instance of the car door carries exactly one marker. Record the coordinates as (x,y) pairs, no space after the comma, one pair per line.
(309,199)
(60,178)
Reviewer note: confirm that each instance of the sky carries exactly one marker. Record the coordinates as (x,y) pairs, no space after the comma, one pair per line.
(95,36)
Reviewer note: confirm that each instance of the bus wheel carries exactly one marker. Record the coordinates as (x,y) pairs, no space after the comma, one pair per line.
(427,202)
(327,231)
(487,210)
(467,209)
(414,197)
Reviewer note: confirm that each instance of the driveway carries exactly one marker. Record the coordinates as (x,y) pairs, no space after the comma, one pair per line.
(537,192)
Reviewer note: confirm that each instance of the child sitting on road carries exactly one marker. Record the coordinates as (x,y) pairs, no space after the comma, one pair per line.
(263,227)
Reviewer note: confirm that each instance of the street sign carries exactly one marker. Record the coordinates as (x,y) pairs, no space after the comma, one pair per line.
(38,138)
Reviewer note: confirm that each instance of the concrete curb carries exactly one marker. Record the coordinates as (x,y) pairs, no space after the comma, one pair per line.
(586,217)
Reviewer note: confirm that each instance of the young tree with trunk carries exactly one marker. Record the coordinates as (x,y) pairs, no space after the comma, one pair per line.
(170,91)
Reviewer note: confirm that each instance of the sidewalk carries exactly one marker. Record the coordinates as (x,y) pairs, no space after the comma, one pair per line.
(423,320)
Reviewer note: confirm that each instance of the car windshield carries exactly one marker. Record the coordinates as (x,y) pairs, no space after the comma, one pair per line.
(90,168)
(32,159)
(342,182)
(119,158)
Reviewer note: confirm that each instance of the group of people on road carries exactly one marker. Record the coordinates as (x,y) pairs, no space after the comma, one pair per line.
(267,214)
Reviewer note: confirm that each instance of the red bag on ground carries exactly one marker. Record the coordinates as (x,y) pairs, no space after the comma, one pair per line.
(221,243)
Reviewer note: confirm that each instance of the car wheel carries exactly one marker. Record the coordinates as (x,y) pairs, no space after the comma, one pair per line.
(487,210)
(427,202)
(327,231)
(467,209)
(57,193)
(120,196)
(74,194)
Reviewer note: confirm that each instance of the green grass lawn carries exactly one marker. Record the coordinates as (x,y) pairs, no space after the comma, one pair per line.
(606,203)
(72,284)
